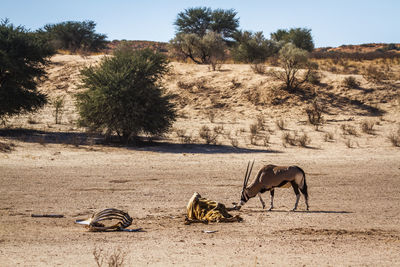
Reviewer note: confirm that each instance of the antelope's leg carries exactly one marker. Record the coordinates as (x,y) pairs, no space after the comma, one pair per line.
(272,199)
(262,201)
(296,191)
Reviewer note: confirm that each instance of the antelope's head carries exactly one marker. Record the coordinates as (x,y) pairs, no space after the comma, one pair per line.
(244,196)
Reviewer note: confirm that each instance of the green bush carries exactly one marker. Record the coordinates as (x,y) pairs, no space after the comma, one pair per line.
(74,36)
(292,60)
(300,37)
(253,47)
(123,95)
(23,57)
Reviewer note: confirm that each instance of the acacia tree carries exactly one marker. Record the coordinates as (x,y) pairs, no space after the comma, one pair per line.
(74,35)
(124,96)
(300,37)
(201,20)
(292,60)
(23,57)
(253,47)
(208,49)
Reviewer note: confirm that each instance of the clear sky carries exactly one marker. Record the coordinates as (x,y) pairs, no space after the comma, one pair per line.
(333,23)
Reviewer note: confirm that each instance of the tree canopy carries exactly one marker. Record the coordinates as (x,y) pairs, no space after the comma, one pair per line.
(74,35)
(200,20)
(300,37)
(23,57)
(123,95)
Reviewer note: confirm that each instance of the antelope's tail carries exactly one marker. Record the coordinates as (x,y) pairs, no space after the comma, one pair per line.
(303,186)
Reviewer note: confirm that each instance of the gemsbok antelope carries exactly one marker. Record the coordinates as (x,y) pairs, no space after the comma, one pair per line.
(271,176)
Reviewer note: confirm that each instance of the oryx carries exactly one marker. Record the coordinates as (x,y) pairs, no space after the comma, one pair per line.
(271,176)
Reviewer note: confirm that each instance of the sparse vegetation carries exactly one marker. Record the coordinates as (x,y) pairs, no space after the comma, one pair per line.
(350,82)
(314,114)
(58,105)
(295,140)
(115,258)
(210,137)
(394,138)
(368,127)
(349,130)
(329,137)
(373,74)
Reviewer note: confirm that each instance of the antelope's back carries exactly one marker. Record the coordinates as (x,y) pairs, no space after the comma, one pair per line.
(278,176)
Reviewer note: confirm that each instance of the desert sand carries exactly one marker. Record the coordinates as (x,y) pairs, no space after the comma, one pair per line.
(353,179)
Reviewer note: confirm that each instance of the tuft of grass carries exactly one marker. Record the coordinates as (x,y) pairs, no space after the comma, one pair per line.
(368,127)
(266,139)
(219,129)
(329,137)
(295,140)
(235,84)
(314,114)
(260,122)
(6,147)
(349,130)
(183,138)
(208,136)
(115,258)
(58,105)
(234,142)
(394,138)
(258,68)
(349,143)
(254,129)
(304,140)
(350,82)
(211,116)
(314,78)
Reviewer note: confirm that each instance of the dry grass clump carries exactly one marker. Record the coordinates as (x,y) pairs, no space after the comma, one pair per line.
(115,258)
(394,138)
(373,74)
(210,137)
(349,130)
(314,78)
(235,84)
(295,140)
(258,68)
(183,137)
(368,127)
(185,85)
(6,147)
(314,114)
(329,137)
(351,82)
(349,143)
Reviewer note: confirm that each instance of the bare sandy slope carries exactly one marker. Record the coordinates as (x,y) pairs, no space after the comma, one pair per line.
(354,192)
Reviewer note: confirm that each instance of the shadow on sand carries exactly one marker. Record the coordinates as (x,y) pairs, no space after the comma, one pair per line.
(303,211)
(161,146)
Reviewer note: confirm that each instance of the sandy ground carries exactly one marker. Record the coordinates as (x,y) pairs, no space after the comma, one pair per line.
(354,192)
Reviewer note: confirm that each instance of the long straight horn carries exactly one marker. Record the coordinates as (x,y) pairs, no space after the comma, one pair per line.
(245,176)
(248,176)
